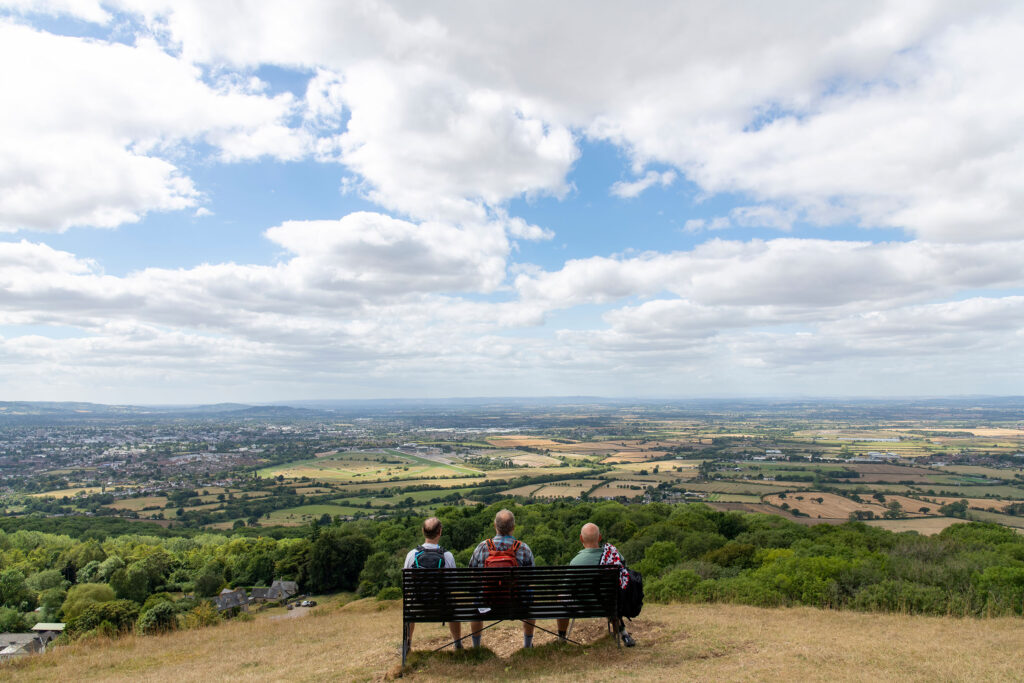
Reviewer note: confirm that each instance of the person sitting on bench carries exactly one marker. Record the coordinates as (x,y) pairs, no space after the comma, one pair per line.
(503,551)
(431,555)
(595,553)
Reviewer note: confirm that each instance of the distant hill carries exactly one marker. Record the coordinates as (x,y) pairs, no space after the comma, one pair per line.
(360,641)
(48,411)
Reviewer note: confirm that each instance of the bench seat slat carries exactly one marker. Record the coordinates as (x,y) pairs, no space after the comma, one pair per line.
(509,593)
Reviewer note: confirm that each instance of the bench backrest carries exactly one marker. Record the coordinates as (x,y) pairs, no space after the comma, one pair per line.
(489,594)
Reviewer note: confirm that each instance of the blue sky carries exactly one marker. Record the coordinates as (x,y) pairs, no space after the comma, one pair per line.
(257,202)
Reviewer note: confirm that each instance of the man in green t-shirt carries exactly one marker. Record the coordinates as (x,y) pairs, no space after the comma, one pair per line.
(593,551)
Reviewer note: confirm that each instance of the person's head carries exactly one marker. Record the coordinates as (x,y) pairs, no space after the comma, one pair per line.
(432,529)
(504,522)
(590,536)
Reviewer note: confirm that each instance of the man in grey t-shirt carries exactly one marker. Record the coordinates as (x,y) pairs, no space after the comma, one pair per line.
(430,555)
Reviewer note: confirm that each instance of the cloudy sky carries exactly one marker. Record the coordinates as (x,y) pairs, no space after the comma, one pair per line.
(257,201)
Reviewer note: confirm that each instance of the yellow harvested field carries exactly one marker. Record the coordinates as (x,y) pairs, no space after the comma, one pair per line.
(534,460)
(522,490)
(926,526)
(138,503)
(530,441)
(71,493)
(621,488)
(571,488)
(976,503)
(589,447)
(833,507)
(309,490)
(634,456)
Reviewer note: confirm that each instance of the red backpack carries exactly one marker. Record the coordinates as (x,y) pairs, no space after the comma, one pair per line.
(501,558)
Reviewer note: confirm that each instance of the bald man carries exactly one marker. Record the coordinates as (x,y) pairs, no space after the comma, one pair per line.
(592,554)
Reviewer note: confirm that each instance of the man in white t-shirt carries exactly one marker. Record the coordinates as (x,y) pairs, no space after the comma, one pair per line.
(430,555)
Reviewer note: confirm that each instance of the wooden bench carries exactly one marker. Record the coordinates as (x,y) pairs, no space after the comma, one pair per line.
(500,594)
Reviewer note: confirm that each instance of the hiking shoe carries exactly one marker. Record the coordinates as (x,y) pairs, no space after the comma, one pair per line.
(627,639)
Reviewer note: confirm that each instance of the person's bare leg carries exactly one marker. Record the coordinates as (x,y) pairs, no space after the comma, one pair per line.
(455,628)
(528,625)
(563,626)
(474,628)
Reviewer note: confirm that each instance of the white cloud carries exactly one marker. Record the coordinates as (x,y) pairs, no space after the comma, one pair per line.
(92,140)
(629,190)
(785,272)
(433,148)
(87,10)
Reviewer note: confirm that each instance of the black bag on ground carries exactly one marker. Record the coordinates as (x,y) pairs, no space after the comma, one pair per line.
(631,598)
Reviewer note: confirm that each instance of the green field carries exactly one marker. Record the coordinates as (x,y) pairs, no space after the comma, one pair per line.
(367,465)
(998,491)
(1005,520)
(394,500)
(304,514)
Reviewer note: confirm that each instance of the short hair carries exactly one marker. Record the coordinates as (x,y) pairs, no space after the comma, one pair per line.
(431,527)
(504,522)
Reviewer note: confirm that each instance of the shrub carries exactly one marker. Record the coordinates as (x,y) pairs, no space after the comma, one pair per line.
(201,616)
(11,621)
(676,586)
(84,594)
(390,593)
(118,615)
(160,618)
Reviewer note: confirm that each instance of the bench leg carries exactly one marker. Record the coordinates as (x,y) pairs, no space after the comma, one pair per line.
(405,640)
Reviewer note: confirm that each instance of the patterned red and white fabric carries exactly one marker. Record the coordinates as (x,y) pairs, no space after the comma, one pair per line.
(611,556)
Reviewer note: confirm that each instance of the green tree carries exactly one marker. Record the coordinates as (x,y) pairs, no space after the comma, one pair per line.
(11,621)
(209,580)
(160,618)
(131,583)
(14,592)
(48,578)
(84,594)
(336,560)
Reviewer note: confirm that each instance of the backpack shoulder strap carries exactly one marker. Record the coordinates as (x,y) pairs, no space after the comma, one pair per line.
(516,545)
(490,545)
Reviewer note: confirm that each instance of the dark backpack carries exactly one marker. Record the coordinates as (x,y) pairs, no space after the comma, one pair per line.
(429,558)
(631,598)
(501,558)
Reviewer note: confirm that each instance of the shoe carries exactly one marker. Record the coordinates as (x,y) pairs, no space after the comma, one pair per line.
(627,639)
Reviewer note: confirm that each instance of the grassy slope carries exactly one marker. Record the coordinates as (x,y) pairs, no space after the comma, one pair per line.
(679,642)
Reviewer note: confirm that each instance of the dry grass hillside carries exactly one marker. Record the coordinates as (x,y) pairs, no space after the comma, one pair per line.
(359,641)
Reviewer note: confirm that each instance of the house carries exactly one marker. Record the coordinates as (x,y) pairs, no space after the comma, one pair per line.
(19,644)
(231,599)
(282,590)
(47,631)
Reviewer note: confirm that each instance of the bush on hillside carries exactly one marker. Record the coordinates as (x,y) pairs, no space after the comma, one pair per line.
(160,618)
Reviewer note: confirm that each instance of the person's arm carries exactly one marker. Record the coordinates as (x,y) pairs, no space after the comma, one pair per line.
(449,560)
(526,556)
(477,560)
(410,557)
